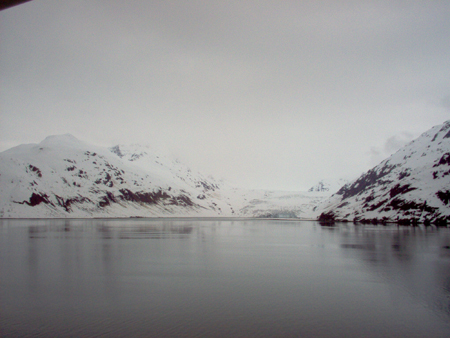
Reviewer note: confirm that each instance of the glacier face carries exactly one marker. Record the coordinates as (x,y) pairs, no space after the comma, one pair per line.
(411,186)
(65,177)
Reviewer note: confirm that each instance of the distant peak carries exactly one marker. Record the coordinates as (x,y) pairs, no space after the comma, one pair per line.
(116,150)
(328,185)
(61,140)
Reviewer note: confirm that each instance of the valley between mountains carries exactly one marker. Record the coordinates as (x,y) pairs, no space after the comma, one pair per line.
(63,177)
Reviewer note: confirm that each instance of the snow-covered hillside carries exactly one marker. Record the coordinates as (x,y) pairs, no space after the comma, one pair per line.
(65,177)
(411,186)
(166,167)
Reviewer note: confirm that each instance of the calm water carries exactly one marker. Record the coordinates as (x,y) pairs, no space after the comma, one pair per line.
(222,278)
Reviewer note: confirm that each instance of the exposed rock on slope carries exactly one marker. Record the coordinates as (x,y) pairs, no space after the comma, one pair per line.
(411,186)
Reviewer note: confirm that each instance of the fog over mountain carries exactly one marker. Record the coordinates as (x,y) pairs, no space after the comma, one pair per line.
(266,94)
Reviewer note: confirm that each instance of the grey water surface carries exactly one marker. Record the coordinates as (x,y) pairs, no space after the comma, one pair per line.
(222,278)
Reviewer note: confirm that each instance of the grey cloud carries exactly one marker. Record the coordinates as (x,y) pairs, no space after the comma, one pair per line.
(445,102)
(288,91)
(391,145)
(394,143)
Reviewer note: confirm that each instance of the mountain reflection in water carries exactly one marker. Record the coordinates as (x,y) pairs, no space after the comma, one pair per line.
(406,257)
(222,277)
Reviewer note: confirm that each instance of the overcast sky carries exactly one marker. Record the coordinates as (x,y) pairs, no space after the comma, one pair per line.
(268,94)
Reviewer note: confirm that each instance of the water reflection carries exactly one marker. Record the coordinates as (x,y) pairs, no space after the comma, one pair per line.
(150,230)
(413,258)
(188,277)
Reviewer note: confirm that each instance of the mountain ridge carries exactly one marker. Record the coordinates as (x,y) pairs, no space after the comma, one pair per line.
(411,186)
(64,177)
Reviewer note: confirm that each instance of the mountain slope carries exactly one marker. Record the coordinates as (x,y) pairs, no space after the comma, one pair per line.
(211,194)
(65,177)
(412,185)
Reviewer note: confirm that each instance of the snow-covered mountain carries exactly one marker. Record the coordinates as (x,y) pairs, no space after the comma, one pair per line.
(65,177)
(411,186)
(166,167)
